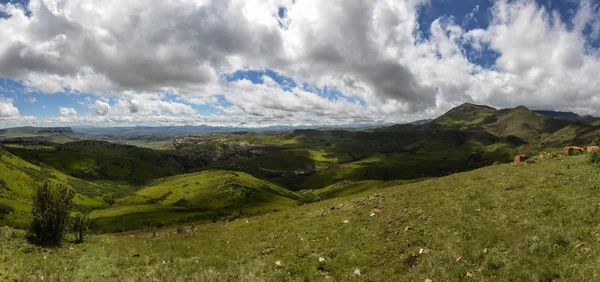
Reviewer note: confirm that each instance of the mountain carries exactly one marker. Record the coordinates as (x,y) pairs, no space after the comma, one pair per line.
(420,122)
(412,201)
(570,116)
(28,133)
(311,164)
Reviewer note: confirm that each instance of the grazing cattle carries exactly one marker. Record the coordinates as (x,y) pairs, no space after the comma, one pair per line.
(592,148)
(520,158)
(541,156)
(548,155)
(568,151)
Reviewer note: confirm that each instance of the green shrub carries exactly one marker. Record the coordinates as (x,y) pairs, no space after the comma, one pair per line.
(109,198)
(51,208)
(594,158)
(80,225)
(232,216)
(4,210)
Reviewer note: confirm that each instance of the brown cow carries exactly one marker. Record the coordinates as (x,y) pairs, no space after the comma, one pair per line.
(592,148)
(568,151)
(520,158)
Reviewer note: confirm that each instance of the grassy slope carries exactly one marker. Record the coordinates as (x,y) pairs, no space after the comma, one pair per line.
(536,221)
(94,160)
(400,152)
(18,179)
(200,196)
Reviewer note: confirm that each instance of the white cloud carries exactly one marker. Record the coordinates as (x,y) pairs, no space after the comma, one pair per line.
(7,109)
(31,100)
(67,112)
(133,56)
(102,108)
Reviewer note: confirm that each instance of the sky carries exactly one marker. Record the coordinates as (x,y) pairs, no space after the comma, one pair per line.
(258,63)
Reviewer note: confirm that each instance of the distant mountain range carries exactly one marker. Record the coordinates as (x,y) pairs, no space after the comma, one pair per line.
(67,134)
(570,116)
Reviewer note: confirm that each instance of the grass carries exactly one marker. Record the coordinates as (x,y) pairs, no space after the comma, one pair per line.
(204,195)
(99,160)
(18,179)
(537,222)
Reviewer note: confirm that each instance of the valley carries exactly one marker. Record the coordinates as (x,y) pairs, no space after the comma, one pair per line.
(445,186)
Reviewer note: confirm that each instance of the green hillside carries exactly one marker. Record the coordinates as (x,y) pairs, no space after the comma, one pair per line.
(100,160)
(520,122)
(535,222)
(207,195)
(19,178)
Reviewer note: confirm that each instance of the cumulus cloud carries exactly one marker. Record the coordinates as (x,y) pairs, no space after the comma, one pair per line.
(373,54)
(102,108)
(67,112)
(30,100)
(148,104)
(7,109)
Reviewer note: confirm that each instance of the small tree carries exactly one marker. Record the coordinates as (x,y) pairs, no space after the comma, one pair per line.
(80,225)
(51,208)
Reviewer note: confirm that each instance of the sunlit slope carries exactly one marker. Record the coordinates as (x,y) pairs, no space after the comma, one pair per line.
(18,180)
(207,195)
(99,160)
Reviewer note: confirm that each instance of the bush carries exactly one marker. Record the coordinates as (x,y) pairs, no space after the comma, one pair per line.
(232,216)
(109,198)
(80,225)
(51,208)
(594,158)
(4,210)
(307,198)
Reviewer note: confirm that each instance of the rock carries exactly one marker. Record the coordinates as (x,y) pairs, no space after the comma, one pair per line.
(587,249)
(469,274)
(407,228)
(579,244)
(211,272)
(485,251)
(321,259)
(459,258)
(372,214)
(346,221)
(421,251)
(375,210)
(428,280)
(426,251)
(278,263)
(357,272)
(148,273)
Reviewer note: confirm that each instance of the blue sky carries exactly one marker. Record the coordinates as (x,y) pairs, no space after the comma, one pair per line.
(292,62)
